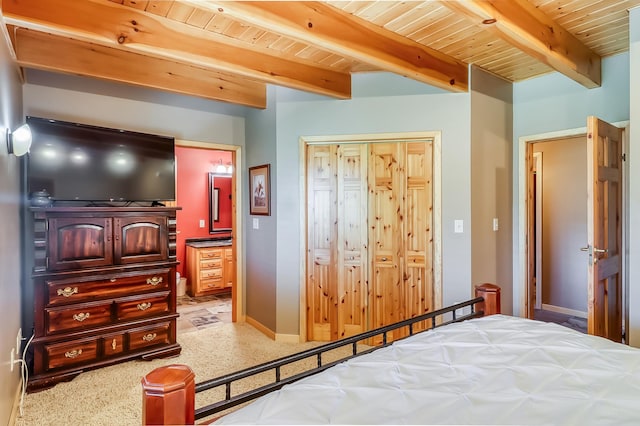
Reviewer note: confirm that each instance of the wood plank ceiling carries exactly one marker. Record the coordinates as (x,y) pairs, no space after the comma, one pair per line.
(230,50)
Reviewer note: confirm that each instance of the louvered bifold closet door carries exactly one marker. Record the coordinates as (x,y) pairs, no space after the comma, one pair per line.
(401,232)
(336,241)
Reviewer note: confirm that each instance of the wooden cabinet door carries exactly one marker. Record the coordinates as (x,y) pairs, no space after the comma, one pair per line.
(336,241)
(79,242)
(229,268)
(140,239)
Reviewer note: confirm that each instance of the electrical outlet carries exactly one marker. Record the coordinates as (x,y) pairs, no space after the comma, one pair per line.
(19,340)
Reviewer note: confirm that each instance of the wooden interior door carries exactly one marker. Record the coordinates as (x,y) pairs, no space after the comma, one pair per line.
(386,172)
(336,241)
(401,231)
(370,236)
(604,230)
(418,235)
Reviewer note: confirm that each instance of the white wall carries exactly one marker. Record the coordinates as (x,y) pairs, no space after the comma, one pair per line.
(449,113)
(122,113)
(634,179)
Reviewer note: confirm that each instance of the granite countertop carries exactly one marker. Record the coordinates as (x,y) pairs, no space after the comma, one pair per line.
(209,243)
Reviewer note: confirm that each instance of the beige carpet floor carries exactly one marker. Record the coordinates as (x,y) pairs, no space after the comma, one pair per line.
(113,395)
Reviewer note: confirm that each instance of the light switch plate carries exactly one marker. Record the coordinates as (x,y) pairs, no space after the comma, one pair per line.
(458,226)
(256,223)
(201,223)
(495,224)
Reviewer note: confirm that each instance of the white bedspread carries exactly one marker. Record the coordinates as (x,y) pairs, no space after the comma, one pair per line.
(494,370)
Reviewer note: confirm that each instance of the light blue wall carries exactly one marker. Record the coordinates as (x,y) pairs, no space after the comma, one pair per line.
(445,112)
(10,256)
(554,103)
(261,281)
(491,190)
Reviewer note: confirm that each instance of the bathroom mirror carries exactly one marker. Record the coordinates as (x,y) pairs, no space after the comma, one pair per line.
(219,202)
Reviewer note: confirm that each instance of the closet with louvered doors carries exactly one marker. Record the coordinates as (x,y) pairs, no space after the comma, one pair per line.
(369,236)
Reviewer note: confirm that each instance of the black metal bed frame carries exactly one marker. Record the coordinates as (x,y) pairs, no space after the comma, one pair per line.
(437,320)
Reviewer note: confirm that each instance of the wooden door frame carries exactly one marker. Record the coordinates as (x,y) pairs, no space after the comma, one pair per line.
(304,141)
(522,261)
(538,159)
(237,224)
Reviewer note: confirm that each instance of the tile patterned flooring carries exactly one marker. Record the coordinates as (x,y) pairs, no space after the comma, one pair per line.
(201,312)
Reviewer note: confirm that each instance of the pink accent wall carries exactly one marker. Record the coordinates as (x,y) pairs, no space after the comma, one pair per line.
(193,166)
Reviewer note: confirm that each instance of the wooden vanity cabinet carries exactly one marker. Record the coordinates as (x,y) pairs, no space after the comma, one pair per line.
(104,289)
(210,270)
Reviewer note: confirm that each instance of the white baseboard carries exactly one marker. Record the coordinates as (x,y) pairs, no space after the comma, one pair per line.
(566,311)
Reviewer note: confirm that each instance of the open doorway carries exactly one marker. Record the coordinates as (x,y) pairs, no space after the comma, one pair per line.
(606,225)
(558,182)
(199,224)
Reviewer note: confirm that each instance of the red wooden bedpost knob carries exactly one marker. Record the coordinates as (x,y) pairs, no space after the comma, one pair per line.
(168,396)
(491,295)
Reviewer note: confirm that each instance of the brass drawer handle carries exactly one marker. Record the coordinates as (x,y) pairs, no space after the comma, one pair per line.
(73,354)
(149,337)
(114,345)
(384,259)
(154,280)
(67,291)
(112,280)
(144,306)
(81,316)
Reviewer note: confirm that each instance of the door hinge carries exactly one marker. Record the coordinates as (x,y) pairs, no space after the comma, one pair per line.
(624,157)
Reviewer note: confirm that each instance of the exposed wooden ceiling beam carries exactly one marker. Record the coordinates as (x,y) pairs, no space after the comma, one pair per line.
(110,24)
(40,50)
(521,24)
(331,29)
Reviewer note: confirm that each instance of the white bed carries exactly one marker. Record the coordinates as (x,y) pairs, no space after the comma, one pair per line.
(492,370)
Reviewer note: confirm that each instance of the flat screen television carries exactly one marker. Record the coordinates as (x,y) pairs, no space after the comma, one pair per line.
(80,162)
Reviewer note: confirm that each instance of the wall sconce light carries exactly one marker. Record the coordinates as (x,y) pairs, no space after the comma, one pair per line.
(221,169)
(19,142)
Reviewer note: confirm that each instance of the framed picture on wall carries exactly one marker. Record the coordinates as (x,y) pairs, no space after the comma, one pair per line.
(259,190)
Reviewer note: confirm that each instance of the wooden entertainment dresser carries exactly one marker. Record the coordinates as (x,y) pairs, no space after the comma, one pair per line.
(105,288)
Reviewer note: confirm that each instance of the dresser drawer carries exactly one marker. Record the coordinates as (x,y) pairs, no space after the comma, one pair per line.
(141,307)
(211,284)
(69,353)
(211,253)
(86,289)
(211,274)
(149,336)
(211,263)
(77,316)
